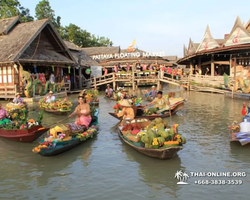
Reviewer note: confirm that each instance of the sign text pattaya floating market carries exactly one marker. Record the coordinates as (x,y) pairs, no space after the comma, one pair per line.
(128,55)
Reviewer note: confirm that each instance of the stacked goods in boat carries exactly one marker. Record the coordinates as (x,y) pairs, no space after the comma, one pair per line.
(92,97)
(24,129)
(64,137)
(153,138)
(16,111)
(56,106)
(240,132)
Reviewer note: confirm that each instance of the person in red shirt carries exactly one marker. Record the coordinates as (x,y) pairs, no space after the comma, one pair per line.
(244,110)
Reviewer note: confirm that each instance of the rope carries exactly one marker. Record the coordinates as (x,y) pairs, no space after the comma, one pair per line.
(36,46)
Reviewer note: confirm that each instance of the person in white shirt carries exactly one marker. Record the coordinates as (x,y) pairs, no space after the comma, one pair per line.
(109,91)
(52,78)
(50,97)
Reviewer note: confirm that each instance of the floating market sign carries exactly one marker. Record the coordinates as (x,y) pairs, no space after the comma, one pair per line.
(128,55)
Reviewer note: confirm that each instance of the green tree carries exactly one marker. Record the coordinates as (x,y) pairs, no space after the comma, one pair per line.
(10,8)
(44,10)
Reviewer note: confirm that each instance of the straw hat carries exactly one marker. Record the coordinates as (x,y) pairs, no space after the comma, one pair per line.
(50,92)
(125,103)
(17,93)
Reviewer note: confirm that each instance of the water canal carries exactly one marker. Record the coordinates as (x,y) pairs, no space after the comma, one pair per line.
(105,168)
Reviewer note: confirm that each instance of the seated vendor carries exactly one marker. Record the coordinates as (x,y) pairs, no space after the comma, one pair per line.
(50,97)
(83,113)
(118,95)
(18,99)
(109,91)
(124,95)
(3,116)
(127,112)
(160,101)
(152,94)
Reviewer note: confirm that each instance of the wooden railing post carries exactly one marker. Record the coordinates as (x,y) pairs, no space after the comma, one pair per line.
(95,82)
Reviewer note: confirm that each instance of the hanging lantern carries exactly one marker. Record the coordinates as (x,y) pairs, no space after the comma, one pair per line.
(53,68)
(35,69)
(69,69)
(87,71)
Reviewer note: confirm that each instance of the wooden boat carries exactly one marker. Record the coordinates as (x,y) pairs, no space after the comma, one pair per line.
(162,153)
(139,112)
(244,139)
(21,135)
(65,144)
(57,112)
(93,103)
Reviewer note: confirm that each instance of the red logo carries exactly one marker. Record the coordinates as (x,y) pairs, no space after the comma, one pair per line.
(236,39)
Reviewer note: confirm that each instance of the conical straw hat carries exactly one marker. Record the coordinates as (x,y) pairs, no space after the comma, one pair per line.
(125,103)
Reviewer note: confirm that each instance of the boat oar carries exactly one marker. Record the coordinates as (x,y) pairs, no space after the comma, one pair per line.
(57,122)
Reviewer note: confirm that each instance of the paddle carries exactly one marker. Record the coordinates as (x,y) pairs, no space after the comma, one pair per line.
(58,121)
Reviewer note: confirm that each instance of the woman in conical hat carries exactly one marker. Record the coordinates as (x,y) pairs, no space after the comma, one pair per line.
(127,112)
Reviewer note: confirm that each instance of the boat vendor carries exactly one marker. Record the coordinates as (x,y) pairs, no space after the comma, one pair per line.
(160,101)
(83,113)
(118,95)
(109,91)
(124,95)
(152,94)
(127,112)
(50,97)
(3,116)
(18,99)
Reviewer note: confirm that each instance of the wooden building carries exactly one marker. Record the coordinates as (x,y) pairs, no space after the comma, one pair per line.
(84,62)
(36,46)
(218,56)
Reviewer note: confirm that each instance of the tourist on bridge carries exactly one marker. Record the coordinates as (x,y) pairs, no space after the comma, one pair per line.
(105,71)
(50,97)
(18,99)
(109,91)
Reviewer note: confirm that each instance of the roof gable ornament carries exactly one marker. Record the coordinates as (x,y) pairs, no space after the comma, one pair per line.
(238,35)
(191,47)
(208,41)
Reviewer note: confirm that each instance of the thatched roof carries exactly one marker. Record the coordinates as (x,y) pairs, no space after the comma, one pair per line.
(7,24)
(72,46)
(77,53)
(91,51)
(15,43)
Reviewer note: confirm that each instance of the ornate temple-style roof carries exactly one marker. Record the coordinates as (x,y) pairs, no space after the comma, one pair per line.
(208,41)
(191,47)
(238,34)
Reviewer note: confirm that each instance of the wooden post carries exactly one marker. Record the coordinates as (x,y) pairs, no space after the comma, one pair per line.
(74,78)
(212,65)
(188,88)
(113,76)
(234,67)
(191,67)
(230,65)
(80,77)
(95,82)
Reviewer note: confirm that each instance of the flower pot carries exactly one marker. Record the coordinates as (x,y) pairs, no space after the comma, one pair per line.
(156,146)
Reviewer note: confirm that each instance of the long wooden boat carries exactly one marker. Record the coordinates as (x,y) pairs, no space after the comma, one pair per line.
(24,135)
(94,103)
(57,112)
(162,153)
(62,146)
(174,110)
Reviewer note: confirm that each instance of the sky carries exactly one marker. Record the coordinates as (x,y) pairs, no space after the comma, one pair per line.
(157,25)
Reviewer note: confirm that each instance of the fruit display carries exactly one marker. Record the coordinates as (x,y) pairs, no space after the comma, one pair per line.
(91,96)
(57,105)
(158,134)
(135,101)
(16,111)
(150,111)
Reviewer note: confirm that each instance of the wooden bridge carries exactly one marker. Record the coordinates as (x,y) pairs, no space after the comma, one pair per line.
(135,78)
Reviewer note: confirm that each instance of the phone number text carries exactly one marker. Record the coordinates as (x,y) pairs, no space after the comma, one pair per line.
(219,182)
